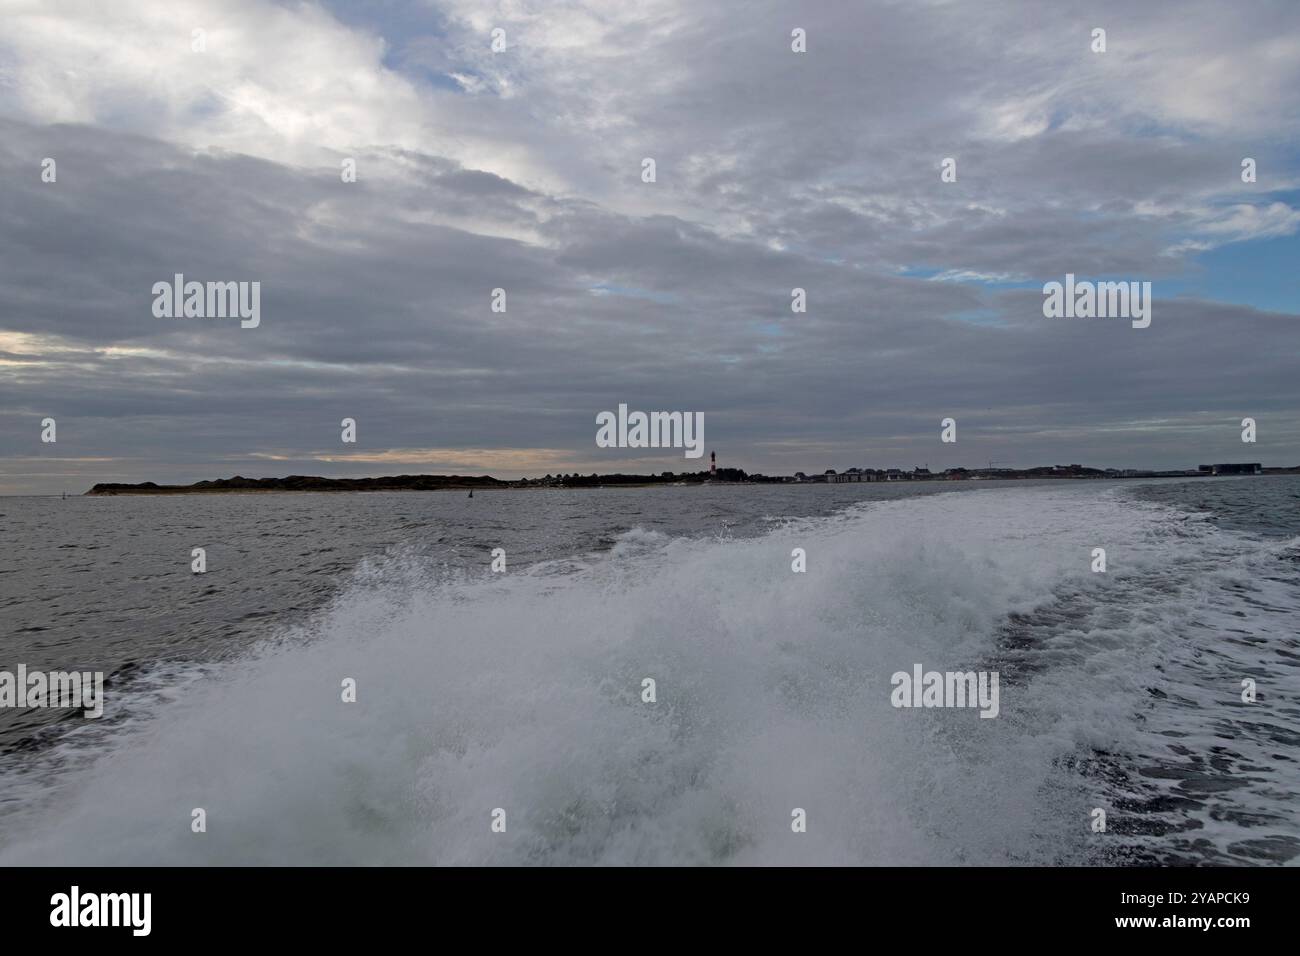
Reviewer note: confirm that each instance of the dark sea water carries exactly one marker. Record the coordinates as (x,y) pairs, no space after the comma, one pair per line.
(522,690)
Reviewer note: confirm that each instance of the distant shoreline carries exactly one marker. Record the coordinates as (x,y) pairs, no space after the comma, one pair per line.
(296,484)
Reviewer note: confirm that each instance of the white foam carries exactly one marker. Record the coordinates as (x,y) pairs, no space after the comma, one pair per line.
(522,691)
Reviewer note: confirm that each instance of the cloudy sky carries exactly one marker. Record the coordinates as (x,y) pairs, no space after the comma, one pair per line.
(521,170)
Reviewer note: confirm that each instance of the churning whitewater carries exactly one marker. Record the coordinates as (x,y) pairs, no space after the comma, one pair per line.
(522,692)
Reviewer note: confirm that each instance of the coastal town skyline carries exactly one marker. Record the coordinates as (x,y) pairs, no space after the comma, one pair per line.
(311,483)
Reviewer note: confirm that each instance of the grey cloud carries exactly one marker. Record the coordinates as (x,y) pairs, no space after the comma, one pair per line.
(825,176)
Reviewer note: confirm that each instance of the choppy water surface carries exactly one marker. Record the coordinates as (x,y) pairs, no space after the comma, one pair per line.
(522,690)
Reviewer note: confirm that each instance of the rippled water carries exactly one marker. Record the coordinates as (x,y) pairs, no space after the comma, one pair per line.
(522,690)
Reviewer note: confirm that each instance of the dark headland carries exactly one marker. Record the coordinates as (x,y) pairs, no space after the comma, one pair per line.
(298,483)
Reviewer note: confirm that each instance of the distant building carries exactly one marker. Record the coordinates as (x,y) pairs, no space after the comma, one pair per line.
(1237,468)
